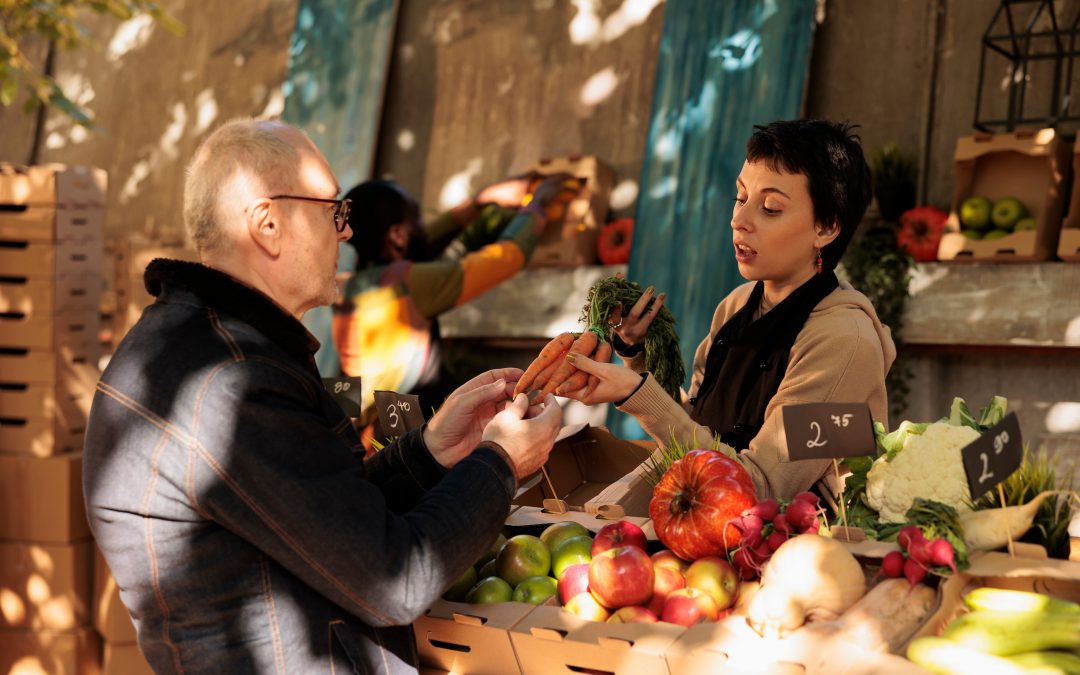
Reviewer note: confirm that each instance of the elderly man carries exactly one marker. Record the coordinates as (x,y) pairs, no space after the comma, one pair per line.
(221,480)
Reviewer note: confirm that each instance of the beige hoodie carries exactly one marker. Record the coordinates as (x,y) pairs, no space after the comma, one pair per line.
(841,354)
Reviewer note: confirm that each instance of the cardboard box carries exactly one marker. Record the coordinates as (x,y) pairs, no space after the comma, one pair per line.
(1029,165)
(43,400)
(47,260)
(1069,244)
(46,366)
(45,586)
(39,436)
(572,243)
(111,618)
(41,499)
(46,297)
(58,185)
(597,476)
(124,659)
(49,224)
(473,639)
(24,652)
(52,331)
(552,640)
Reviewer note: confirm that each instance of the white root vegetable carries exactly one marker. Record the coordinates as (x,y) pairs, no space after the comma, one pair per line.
(809,578)
(987,529)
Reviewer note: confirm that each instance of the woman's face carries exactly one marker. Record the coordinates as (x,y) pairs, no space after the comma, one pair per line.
(773,228)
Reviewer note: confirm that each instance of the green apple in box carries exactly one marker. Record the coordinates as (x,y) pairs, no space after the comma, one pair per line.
(1007,213)
(1024,224)
(975,213)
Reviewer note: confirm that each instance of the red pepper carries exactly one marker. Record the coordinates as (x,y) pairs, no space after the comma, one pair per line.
(920,232)
(613,245)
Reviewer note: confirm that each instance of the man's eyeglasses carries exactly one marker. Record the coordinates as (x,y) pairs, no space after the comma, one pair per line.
(341,208)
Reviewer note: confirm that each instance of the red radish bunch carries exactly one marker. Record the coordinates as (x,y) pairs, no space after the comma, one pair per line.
(767,525)
(917,555)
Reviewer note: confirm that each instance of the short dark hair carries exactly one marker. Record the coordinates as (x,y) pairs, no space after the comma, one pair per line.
(377,205)
(830,155)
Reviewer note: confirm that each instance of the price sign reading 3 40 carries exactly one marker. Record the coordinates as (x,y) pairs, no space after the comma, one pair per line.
(991,457)
(398,413)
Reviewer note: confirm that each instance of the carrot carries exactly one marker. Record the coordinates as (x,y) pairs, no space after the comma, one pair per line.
(580,378)
(603,354)
(551,353)
(545,375)
(585,344)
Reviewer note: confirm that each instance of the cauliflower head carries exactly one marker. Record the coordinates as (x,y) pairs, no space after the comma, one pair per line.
(929,466)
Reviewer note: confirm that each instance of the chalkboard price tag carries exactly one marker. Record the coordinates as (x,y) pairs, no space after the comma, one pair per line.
(989,459)
(828,430)
(346,391)
(398,413)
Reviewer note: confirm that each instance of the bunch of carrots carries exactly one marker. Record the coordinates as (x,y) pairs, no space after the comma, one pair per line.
(552,373)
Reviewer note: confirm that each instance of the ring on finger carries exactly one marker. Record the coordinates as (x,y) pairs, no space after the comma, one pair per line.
(615,326)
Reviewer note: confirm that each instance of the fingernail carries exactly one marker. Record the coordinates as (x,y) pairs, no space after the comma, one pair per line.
(650,289)
(571,357)
(663,295)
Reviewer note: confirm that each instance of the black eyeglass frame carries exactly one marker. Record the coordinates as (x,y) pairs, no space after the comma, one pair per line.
(341,208)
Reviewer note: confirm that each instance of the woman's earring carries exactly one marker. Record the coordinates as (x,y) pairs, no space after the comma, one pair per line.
(819,261)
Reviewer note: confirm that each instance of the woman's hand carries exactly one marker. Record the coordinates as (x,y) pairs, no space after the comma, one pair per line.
(632,327)
(507,193)
(557,188)
(616,382)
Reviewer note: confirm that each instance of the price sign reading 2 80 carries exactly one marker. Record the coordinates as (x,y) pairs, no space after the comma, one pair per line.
(990,458)
(398,413)
(828,430)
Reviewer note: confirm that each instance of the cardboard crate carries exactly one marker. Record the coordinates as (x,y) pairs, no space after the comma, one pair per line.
(598,477)
(72,329)
(49,224)
(73,187)
(44,400)
(39,436)
(124,659)
(474,639)
(111,618)
(46,366)
(1069,243)
(1029,165)
(572,242)
(47,586)
(552,640)
(46,297)
(41,499)
(47,260)
(25,652)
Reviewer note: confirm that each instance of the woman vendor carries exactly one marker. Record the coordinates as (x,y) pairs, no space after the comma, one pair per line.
(793,334)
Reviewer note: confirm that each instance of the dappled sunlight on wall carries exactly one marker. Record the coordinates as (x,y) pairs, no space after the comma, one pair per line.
(599,87)
(588,28)
(624,194)
(1063,418)
(460,186)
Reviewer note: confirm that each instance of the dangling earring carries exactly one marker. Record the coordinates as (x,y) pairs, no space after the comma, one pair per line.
(819,261)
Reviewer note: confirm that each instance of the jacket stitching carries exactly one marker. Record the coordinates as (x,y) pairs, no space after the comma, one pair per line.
(271,608)
(302,379)
(189,486)
(229,341)
(149,416)
(330,641)
(202,393)
(341,426)
(342,587)
(155,571)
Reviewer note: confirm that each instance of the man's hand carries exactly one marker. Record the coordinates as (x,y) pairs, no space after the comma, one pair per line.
(456,428)
(526,432)
(616,381)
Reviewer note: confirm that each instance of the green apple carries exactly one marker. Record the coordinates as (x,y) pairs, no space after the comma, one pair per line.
(558,532)
(488,569)
(460,588)
(1027,223)
(491,589)
(975,213)
(996,234)
(571,551)
(971,234)
(523,556)
(535,590)
(1007,212)
(491,552)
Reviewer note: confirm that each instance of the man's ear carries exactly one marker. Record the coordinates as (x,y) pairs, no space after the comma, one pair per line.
(263,229)
(825,234)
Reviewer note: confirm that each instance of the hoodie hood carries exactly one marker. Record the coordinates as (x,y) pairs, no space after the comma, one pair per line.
(847,299)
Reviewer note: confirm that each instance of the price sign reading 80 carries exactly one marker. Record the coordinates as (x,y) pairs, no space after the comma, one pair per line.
(990,459)
(398,413)
(346,391)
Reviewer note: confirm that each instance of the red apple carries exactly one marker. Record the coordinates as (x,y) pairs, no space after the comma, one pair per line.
(587,607)
(621,576)
(633,614)
(621,533)
(688,606)
(574,580)
(667,558)
(717,577)
(665,580)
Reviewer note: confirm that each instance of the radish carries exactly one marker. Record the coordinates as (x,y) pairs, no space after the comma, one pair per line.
(780,524)
(808,497)
(913,571)
(765,509)
(892,565)
(919,551)
(763,551)
(750,528)
(813,529)
(942,553)
(907,534)
(775,539)
(752,522)
(800,514)
(744,563)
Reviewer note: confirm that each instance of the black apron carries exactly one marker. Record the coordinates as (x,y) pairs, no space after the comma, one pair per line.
(748,360)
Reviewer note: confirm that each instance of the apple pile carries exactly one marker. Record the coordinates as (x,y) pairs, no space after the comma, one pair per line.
(767,525)
(982,219)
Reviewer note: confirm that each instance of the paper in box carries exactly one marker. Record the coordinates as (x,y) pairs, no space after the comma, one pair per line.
(552,640)
(1026,164)
(474,639)
(56,653)
(572,242)
(46,586)
(1069,243)
(41,499)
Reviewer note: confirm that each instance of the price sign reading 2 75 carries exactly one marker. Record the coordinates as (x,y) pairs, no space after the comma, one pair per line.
(398,413)
(990,458)
(828,430)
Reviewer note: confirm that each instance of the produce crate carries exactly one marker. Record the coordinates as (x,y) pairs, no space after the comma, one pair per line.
(43,400)
(1029,165)
(23,365)
(41,499)
(74,329)
(474,639)
(111,618)
(73,187)
(1069,244)
(26,652)
(47,260)
(49,224)
(552,640)
(47,586)
(38,297)
(573,242)
(124,659)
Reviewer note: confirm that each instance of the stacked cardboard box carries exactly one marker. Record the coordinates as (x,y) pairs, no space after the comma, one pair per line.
(51,224)
(121,654)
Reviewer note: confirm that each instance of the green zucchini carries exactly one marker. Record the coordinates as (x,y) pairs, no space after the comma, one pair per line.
(1005,633)
(1001,600)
